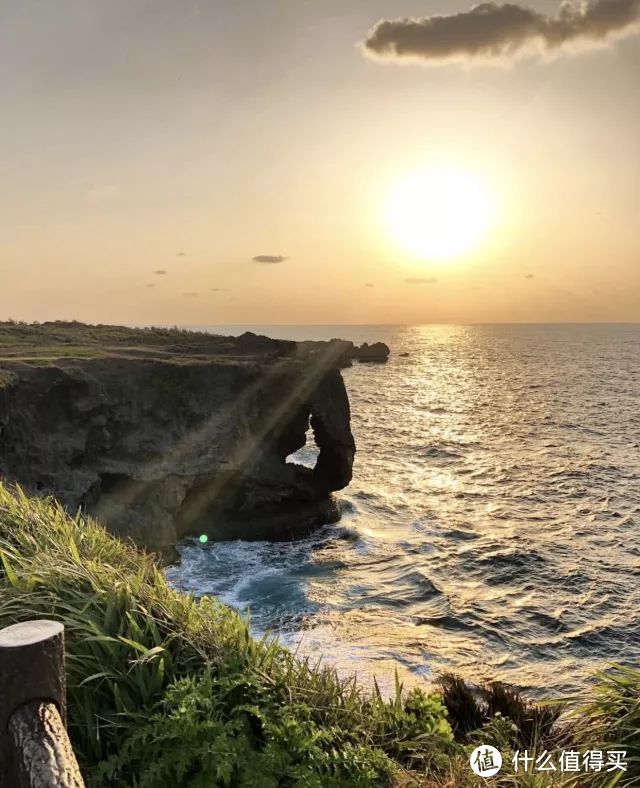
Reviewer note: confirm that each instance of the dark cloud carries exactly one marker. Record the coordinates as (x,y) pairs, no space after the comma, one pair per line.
(529,276)
(499,30)
(269,258)
(419,280)
(160,272)
(218,289)
(190,295)
(181,254)
(150,284)
(368,284)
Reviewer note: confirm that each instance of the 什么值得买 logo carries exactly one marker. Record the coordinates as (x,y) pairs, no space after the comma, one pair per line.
(485,761)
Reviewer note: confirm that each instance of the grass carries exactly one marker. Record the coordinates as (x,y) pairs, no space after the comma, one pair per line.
(164,690)
(147,665)
(37,342)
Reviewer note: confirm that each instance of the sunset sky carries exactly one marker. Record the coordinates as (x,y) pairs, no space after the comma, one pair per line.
(252,151)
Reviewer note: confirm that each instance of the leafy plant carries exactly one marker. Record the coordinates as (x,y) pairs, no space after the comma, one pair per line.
(472,707)
(134,645)
(610,719)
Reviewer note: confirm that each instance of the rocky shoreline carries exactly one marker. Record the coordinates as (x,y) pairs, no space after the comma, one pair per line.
(164,433)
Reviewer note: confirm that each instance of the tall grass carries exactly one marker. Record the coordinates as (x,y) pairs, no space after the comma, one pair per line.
(610,718)
(140,657)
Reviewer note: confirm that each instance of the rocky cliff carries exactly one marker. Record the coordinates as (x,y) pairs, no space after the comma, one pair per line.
(162,433)
(345,351)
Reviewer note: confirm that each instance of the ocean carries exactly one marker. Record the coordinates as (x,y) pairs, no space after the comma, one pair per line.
(492,527)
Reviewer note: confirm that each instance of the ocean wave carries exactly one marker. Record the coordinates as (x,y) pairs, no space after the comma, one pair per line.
(493,522)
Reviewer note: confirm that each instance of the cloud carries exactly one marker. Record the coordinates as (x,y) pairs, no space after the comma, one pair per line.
(218,289)
(181,254)
(150,284)
(493,30)
(190,295)
(419,280)
(160,272)
(529,276)
(368,284)
(269,258)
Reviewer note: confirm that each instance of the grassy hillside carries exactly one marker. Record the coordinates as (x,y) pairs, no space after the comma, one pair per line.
(164,690)
(61,339)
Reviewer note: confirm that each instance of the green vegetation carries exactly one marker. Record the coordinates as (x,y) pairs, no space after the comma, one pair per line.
(611,717)
(164,690)
(39,342)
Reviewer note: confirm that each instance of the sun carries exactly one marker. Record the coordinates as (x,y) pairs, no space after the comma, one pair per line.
(440,213)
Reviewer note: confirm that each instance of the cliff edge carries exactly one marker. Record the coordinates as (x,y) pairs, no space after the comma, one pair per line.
(161,433)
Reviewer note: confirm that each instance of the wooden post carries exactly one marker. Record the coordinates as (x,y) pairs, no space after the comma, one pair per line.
(35,751)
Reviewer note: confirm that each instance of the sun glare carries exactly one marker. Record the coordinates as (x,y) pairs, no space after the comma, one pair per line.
(440,213)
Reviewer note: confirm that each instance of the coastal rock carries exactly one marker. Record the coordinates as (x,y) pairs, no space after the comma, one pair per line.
(344,352)
(378,352)
(161,434)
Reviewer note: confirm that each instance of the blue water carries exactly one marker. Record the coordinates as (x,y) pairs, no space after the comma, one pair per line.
(493,523)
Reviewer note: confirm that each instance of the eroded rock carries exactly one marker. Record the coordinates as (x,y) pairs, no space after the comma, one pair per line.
(164,437)
(378,352)
(344,352)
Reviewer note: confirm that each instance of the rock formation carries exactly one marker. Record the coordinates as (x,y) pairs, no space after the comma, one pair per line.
(345,352)
(162,433)
(378,352)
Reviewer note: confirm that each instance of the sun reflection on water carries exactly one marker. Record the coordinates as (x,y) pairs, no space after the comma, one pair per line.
(492,524)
